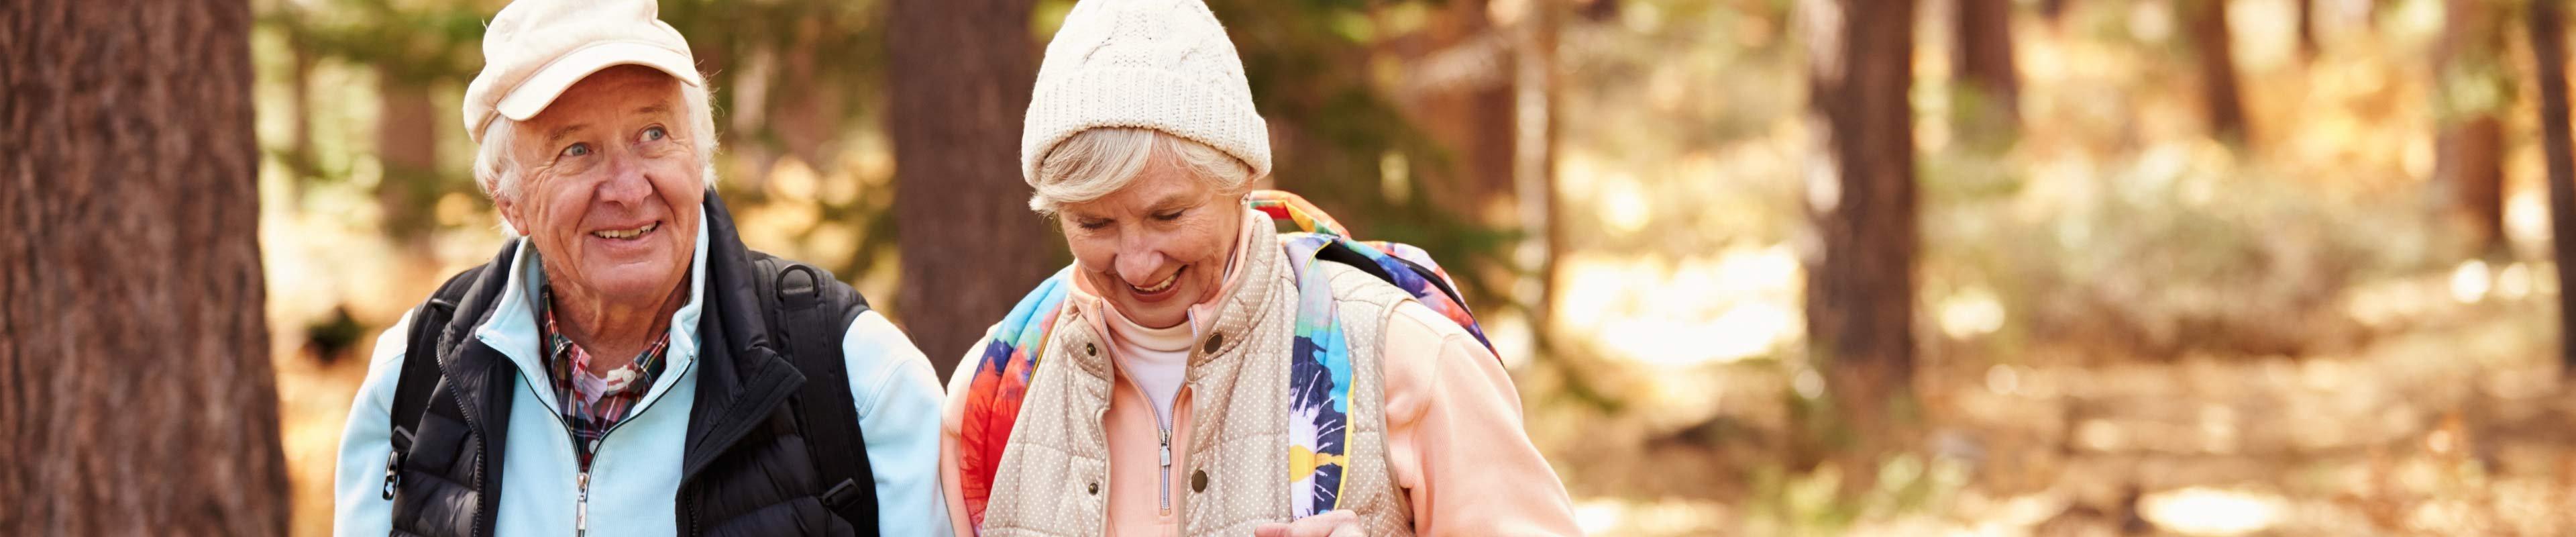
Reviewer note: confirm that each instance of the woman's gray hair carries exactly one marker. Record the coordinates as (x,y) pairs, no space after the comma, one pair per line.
(1096,162)
(496,171)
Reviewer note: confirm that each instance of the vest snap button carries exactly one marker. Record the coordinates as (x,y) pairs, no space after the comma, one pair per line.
(1095,488)
(1213,341)
(1198,481)
(1090,349)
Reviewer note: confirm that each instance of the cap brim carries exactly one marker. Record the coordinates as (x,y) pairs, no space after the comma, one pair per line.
(540,90)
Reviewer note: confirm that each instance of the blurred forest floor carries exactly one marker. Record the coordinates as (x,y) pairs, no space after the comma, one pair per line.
(2129,328)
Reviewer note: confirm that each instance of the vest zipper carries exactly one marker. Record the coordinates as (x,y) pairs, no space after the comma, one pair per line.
(1165,484)
(581,480)
(1163,434)
(581,507)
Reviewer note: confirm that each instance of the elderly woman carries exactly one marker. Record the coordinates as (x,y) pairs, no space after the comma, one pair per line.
(1167,383)
(627,366)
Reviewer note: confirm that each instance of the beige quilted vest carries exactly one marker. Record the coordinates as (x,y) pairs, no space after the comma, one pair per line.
(1238,459)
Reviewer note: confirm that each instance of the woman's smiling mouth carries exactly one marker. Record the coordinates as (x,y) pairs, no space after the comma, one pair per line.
(1160,289)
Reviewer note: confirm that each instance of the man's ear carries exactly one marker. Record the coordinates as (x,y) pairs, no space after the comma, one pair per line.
(510,213)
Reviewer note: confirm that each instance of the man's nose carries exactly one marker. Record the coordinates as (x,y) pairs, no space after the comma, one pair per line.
(626,183)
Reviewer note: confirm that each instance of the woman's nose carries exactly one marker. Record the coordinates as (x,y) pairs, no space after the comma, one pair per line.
(1138,264)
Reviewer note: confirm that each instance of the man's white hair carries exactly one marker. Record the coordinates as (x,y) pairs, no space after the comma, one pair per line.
(496,170)
(1096,162)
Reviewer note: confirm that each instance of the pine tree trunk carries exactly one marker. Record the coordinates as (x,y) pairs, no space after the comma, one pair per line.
(1861,201)
(2211,38)
(2468,161)
(2307,22)
(134,358)
(407,190)
(1985,59)
(2548,50)
(961,76)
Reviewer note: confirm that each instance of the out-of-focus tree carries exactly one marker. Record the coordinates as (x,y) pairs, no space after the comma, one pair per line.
(961,76)
(1991,106)
(133,334)
(1861,202)
(2306,20)
(2214,44)
(1334,129)
(2558,149)
(2470,86)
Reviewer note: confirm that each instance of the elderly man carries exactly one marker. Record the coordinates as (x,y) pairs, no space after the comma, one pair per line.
(628,367)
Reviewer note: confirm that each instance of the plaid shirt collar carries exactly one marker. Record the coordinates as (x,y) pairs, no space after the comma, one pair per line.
(593,404)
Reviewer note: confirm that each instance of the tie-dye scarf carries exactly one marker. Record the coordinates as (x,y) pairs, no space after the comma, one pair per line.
(1319,371)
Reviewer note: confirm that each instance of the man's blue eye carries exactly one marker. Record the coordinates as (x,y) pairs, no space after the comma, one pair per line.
(655,133)
(577,150)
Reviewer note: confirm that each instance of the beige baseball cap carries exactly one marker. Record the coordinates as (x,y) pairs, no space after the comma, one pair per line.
(534,49)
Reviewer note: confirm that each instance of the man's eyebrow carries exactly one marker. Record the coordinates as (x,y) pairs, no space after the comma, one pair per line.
(564,132)
(655,108)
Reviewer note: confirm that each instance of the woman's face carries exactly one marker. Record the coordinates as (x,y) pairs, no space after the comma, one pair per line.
(1157,246)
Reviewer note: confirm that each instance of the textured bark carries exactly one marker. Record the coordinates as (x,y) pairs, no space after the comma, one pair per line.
(2548,51)
(1861,201)
(2206,20)
(961,77)
(134,366)
(2468,161)
(1986,66)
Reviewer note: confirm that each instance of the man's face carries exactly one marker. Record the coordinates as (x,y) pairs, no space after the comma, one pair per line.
(610,186)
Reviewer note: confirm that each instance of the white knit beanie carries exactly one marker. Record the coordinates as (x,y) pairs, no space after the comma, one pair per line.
(1156,64)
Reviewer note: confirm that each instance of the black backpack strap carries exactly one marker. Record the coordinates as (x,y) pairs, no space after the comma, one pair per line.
(811,313)
(420,374)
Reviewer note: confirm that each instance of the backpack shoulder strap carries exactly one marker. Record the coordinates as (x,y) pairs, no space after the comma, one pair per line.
(811,315)
(422,345)
(1008,361)
(421,350)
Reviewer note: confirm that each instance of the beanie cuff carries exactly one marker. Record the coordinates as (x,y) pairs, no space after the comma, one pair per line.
(1103,97)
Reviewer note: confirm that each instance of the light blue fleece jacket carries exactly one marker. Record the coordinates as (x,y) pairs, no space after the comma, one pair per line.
(635,477)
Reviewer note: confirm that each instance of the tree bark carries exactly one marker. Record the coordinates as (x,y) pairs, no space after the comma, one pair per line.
(1470,116)
(2468,160)
(961,76)
(2307,21)
(2548,42)
(1535,90)
(407,153)
(1986,67)
(2211,38)
(1861,202)
(134,363)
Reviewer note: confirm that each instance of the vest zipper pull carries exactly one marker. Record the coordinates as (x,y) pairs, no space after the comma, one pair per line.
(393,472)
(581,508)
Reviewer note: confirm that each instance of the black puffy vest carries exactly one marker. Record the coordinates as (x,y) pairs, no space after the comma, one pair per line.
(749,464)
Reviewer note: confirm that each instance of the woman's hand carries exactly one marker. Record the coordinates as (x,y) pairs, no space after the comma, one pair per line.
(1329,524)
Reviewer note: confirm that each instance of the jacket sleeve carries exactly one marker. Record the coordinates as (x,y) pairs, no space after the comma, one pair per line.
(358,506)
(1456,439)
(898,405)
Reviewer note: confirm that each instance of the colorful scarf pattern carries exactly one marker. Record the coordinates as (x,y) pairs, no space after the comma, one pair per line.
(1319,367)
